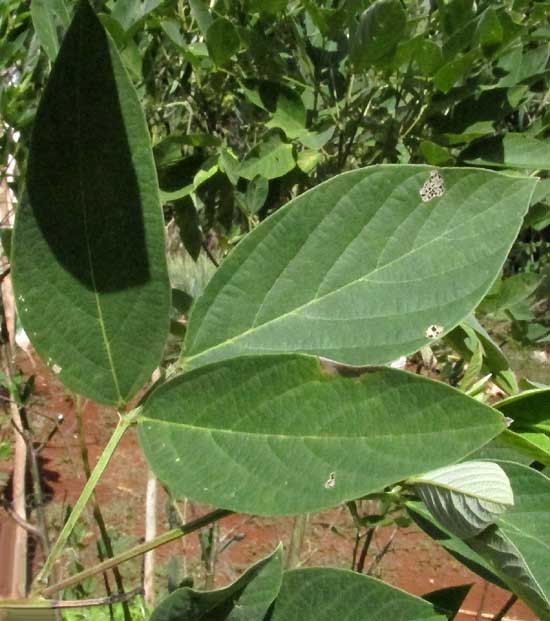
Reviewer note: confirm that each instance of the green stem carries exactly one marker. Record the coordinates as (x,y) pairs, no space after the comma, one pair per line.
(124,422)
(170,535)
(98,516)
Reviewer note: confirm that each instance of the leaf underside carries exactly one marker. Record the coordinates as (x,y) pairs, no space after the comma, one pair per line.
(357,269)
(264,434)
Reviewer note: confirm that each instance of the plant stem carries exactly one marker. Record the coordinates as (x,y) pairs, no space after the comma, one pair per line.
(500,614)
(124,422)
(296,540)
(170,535)
(364,550)
(98,515)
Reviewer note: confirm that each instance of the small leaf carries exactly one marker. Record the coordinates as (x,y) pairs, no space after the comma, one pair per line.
(272,158)
(380,29)
(222,40)
(43,20)
(201,14)
(489,29)
(308,160)
(246,599)
(324,594)
(429,57)
(256,194)
(453,71)
(466,498)
(278,426)
(289,115)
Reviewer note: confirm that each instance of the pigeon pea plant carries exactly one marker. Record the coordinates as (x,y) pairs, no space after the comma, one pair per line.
(281,402)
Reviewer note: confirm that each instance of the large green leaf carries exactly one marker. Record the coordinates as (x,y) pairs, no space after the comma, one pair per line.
(88,258)
(246,599)
(518,548)
(323,594)
(279,435)
(466,498)
(359,268)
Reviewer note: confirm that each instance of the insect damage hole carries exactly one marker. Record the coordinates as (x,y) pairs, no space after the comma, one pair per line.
(331,481)
(434,331)
(433,188)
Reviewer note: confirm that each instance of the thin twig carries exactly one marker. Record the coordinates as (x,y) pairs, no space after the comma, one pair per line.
(364,550)
(209,253)
(116,598)
(138,550)
(35,532)
(511,601)
(380,555)
(96,510)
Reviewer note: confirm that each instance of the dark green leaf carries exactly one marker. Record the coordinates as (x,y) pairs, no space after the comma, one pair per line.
(380,29)
(246,599)
(222,40)
(449,600)
(510,151)
(187,220)
(256,194)
(323,594)
(88,254)
(455,546)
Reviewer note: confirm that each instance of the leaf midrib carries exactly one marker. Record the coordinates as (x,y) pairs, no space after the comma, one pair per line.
(211,430)
(84,206)
(366,278)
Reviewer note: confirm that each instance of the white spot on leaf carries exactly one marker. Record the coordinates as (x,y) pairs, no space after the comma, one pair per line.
(434,332)
(433,188)
(56,369)
(331,481)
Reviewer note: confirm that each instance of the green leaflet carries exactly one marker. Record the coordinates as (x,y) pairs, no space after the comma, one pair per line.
(360,267)
(279,435)
(246,599)
(88,259)
(319,594)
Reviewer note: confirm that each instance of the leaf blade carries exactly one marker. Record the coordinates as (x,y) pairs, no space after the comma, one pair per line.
(365,269)
(91,186)
(280,427)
